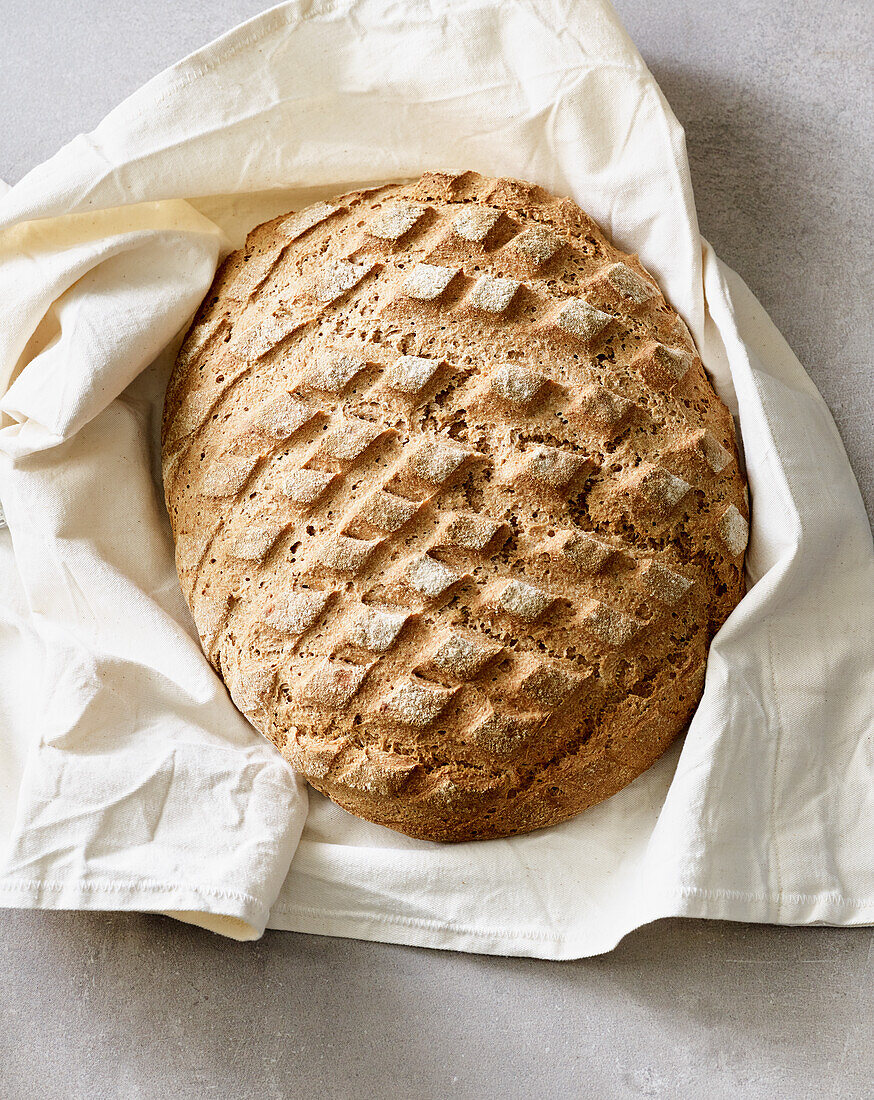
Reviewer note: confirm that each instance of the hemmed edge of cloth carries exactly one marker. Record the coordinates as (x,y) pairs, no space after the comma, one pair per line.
(821,909)
(228,913)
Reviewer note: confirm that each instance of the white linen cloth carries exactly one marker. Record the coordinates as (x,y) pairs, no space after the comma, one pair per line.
(129,779)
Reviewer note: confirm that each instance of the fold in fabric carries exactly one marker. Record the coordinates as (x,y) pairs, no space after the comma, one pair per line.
(130,780)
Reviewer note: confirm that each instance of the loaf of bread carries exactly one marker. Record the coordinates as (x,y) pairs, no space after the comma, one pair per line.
(457,511)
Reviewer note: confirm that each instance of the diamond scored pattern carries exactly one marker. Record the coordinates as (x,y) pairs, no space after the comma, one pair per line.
(579,319)
(410,373)
(553,467)
(333,683)
(475,223)
(350,439)
(306,486)
(662,367)
(386,511)
(227,476)
(734,531)
(492,294)
(584,552)
(550,685)
(296,612)
(523,600)
(536,244)
(502,735)
(664,584)
(428,281)
(437,457)
(334,280)
(280,418)
(661,489)
(376,628)
(255,543)
(379,772)
(429,577)
(395,221)
(471,532)
(515,384)
(464,655)
(628,283)
(344,554)
(611,626)
(417,702)
(333,373)
(460,654)
(297,224)
(601,410)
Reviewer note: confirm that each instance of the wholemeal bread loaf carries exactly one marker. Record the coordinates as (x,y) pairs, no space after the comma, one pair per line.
(456,508)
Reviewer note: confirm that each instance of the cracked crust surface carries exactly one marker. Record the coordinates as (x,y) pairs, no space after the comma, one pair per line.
(456,509)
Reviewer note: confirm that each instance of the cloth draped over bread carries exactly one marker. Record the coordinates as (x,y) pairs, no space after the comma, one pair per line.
(130,780)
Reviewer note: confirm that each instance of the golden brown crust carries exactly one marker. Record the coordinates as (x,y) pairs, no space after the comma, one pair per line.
(456,509)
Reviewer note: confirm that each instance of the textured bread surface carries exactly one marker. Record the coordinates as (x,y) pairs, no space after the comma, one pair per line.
(457,511)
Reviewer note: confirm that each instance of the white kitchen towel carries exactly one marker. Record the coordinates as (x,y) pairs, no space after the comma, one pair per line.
(130,780)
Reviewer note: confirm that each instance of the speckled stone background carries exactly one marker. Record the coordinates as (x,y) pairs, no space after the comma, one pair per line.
(778,102)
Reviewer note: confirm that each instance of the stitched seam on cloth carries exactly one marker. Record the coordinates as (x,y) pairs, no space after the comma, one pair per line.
(777,742)
(449,926)
(804,899)
(116,886)
(414,922)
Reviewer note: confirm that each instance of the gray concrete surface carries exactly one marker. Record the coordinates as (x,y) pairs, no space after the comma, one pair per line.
(141,1008)
(777,101)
